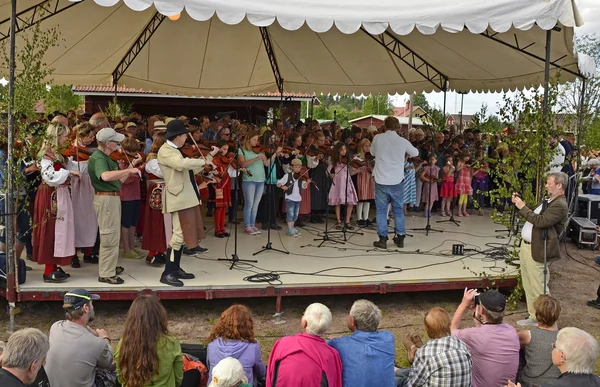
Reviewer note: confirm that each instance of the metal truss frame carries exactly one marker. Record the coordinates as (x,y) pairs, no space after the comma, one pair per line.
(523,49)
(266,38)
(35,14)
(137,46)
(411,58)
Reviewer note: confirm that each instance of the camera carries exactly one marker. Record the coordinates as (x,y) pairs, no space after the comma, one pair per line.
(476,299)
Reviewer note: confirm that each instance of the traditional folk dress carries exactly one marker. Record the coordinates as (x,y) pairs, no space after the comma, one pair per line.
(365,185)
(53,217)
(222,198)
(82,195)
(157,226)
(305,193)
(409,183)
(342,191)
(318,174)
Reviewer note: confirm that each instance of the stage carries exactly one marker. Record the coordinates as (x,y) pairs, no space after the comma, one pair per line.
(356,267)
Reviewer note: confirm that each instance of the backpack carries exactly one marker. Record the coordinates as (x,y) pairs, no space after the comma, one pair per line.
(192,363)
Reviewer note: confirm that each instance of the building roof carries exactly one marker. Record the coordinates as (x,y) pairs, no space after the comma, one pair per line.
(381,117)
(402,111)
(110,90)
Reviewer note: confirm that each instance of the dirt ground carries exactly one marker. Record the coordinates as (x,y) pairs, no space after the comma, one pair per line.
(574,280)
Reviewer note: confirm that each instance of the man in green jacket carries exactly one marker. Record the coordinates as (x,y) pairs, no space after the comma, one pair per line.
(551,216)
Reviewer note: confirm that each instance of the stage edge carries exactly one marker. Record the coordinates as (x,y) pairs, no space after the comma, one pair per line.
(271,291)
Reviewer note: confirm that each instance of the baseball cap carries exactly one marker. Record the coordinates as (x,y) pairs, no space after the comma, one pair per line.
(77,298)
(493,300)
(109,134)
(229,372)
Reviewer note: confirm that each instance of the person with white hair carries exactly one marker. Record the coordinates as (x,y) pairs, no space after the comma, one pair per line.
(305,359)
(229,372)
(594,186)
(367,354)
(575,353)
(23,357)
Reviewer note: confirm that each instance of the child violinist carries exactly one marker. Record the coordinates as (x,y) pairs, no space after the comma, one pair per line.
(222,187)
(342,190)
(364,182)
(130,199)
(409,183)
(429,177)
(291,183)
(463,183)
(448,193)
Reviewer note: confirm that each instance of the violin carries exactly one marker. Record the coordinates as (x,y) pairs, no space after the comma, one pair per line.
(77,152)
(229,160)
(304,177)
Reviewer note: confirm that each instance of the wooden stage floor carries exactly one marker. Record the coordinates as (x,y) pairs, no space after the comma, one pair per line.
(426,263)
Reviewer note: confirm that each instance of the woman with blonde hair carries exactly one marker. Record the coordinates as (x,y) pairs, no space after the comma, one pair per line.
(233,336)
(82,194)
(253,181)
(53,219)
(147,355)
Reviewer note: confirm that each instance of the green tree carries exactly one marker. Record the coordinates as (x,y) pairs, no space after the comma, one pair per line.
(420,100)
(570,93)
(33,73)
(378,104)
(61,98)
(438,118)
(484,122)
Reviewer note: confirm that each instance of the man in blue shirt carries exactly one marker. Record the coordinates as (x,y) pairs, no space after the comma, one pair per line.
(367,354)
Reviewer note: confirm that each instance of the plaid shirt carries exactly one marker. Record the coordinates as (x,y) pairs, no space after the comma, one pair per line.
(444,362)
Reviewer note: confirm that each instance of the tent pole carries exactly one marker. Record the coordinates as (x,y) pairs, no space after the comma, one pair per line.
(580,136)
(9,204)
(462,101)
(444,110)
(545,115)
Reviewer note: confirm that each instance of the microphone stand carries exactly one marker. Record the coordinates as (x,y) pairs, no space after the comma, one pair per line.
(270,204)
(428,227)
(328,184)
(234,257)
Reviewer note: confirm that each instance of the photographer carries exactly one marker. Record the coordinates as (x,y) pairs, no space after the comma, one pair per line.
(494,346)
(550,216)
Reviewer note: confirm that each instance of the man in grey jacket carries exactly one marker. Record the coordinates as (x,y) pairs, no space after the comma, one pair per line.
(79,354)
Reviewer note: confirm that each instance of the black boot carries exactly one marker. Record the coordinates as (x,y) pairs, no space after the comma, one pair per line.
(381,243)
(75,264)
(399,240)
(168,276)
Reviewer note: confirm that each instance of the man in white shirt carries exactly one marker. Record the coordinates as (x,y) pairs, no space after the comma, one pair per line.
(552,217)
(390,150)
(558,160)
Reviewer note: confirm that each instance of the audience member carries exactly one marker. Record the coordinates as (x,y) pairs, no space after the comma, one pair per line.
(305,359)
(79,354)
(443,361)
(229,373)
(368,354)
(146,354)
(233,336)
(494,346)
(537,343)
(575,353)
(23,357)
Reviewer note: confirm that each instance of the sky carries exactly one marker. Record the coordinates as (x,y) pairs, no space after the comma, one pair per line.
(590,12)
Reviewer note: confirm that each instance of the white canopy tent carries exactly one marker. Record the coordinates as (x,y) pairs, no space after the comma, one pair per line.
(239,47)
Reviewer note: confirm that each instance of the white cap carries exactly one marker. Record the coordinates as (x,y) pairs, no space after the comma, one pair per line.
(228,373)
(109,134)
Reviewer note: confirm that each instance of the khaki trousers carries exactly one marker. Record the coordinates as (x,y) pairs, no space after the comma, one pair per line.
(108,211)
(177,240)
(532,275)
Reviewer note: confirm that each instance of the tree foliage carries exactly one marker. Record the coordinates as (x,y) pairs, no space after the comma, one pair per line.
(487,123)
(33,73)
(570,93)
(346,108)
(420,100)
(61,98)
